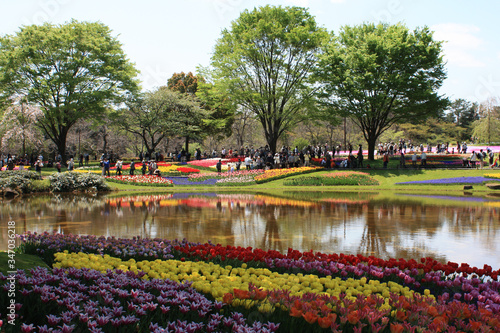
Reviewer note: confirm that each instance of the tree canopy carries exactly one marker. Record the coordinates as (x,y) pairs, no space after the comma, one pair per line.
(71,71)
(264,62)
(161,114)
(382,74)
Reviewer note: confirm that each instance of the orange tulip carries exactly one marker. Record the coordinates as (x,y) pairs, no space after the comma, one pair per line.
(294,312)
(353,317)
(325,322)
(432,311)
(396,328)
(401,315)
(310,317)
(241,294)
(260,294)
(228,298)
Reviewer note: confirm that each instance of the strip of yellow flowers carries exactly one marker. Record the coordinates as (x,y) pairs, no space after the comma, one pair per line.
(216,280)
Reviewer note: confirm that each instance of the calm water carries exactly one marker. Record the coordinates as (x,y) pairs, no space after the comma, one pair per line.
(459,229)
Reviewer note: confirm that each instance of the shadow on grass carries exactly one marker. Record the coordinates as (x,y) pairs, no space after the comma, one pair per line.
(21,261)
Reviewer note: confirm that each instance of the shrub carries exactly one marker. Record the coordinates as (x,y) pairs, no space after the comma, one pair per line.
(20,173)
(17,183)
(74,181)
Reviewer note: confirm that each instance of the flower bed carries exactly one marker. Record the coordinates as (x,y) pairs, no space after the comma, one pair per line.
(235,178)
(211,162)
(492,175)
(165,168)
(334,179)
(274,174)
(296,291)
(448,181)
(142,180)
(76,300)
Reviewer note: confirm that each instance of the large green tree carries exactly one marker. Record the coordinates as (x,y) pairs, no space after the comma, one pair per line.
(380,74)
(71,71)
(219,115)
(264,62)
(160,114)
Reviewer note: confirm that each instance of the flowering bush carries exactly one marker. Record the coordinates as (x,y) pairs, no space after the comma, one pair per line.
(236,181)
(274,174)
(72,181)
(334,178)
(143,180)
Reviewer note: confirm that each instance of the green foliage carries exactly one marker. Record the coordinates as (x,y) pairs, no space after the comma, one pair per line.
(159,114)
(76,181)
(487,129)
(301,143)
(333,179)
(264,63)
(72,71)
(16,182)
(382,74)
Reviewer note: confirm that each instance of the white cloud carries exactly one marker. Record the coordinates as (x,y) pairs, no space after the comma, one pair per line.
(460,43)
(337,1)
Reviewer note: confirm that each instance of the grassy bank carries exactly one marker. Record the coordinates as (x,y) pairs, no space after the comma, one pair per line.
(387,181)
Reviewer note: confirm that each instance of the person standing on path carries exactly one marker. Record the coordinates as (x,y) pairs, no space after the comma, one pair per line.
(132,168)
(219,166)
(119,165)
(360,157)
(386,159)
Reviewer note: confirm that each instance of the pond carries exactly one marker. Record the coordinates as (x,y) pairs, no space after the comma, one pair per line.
(447,228)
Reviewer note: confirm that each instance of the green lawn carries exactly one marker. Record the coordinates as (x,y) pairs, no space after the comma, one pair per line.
(22,261)
(386,178)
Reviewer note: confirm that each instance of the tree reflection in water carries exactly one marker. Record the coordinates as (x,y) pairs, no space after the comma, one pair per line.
(327,222)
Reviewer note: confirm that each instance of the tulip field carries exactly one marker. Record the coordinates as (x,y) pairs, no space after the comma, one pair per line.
(100,284)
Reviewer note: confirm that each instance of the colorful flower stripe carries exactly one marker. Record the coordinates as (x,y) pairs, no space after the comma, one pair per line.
(416,314)
(141,180)
(217,280)
(82,300)
(351,299)
(492,175)
(455,180)
(46,245)
(236,181)
(211,162)
(274,174)
(223,175)
(211,251)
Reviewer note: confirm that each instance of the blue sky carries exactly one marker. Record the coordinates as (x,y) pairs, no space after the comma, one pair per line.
(164,37)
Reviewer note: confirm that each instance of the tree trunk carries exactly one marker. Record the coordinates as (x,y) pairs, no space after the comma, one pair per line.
(371,148)
(187,144)
(61,146)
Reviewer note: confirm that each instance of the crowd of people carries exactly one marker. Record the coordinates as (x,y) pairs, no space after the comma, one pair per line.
(249,157)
